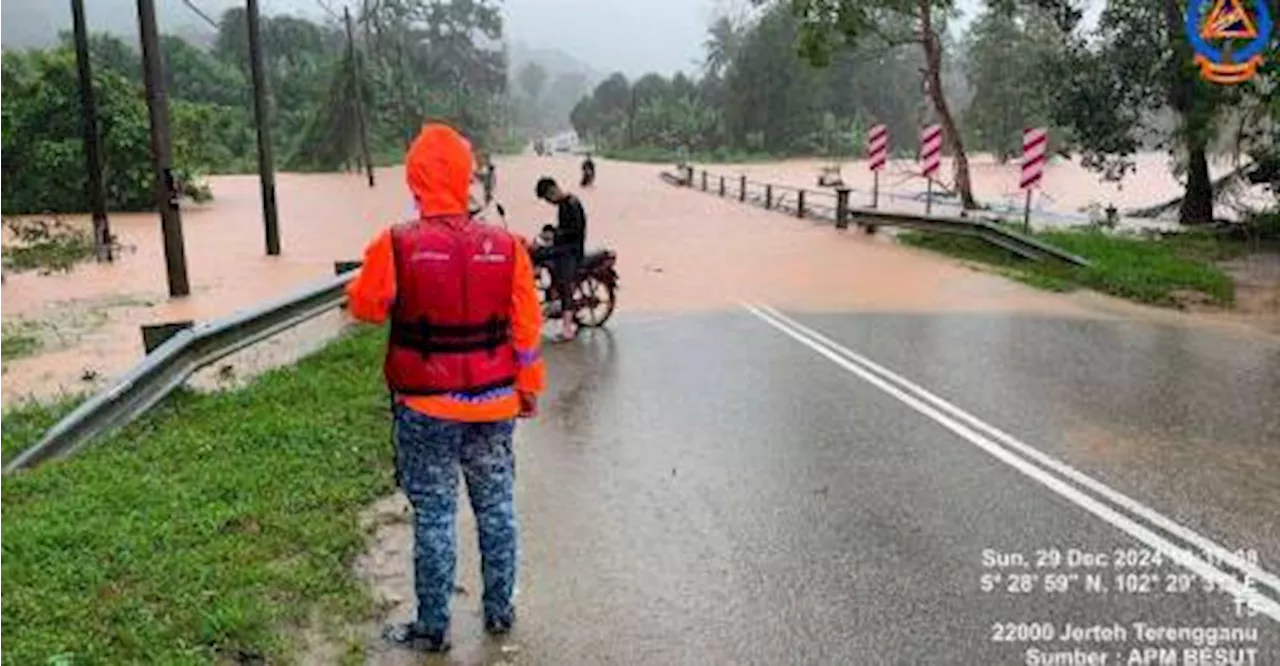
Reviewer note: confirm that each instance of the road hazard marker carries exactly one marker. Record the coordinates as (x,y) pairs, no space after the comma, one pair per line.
(878,146)
(877,156)
(931,149)
(930,159)
(1035,152)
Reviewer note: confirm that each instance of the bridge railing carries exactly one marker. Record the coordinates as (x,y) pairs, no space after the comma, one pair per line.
(834,206)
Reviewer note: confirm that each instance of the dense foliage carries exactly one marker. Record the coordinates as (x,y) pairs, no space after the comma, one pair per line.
(756,94)
(414,59)
(809,76)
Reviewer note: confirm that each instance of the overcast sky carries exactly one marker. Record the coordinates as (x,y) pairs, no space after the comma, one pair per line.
(633,36)
(638,36)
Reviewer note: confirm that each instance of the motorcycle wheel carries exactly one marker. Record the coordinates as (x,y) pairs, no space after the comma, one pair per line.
(594,302)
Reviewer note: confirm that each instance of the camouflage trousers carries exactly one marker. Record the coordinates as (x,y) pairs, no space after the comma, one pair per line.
(429,452)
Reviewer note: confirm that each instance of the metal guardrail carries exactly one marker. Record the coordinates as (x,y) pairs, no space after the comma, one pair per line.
(774,197)
(172,363)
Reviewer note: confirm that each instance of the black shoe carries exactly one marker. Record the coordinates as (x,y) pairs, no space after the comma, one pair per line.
(415,637)
(498,625)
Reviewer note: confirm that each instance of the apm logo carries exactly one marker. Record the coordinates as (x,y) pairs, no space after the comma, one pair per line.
(1230,39)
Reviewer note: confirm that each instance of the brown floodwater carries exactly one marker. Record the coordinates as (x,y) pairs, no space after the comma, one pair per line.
(678,251)
(1065,197)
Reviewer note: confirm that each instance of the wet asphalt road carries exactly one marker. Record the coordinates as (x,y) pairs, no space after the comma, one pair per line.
(708,489)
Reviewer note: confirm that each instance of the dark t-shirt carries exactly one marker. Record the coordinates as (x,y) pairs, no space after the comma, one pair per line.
(571,230)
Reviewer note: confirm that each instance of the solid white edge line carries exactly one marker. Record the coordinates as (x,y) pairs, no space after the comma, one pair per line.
(1221,579)
(1216,551)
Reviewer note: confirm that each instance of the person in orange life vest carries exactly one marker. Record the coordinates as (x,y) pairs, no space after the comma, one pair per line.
(462,364)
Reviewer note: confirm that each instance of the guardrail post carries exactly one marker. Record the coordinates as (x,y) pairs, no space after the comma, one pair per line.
(800,203)
(340,267)
(686,175)
(704,181)
(742,188)
(768,197)
(721,185)
(155,335)
(842,208)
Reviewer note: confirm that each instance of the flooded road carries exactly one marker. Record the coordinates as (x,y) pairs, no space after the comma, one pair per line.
(871,475)
(680,251)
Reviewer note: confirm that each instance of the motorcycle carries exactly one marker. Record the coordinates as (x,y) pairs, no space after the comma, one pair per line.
(595,287)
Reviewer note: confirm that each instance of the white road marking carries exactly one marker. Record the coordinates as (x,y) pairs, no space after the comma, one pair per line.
(1124,501)
(971,429)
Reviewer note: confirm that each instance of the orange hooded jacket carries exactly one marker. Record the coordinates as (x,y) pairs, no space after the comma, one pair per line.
(438,168)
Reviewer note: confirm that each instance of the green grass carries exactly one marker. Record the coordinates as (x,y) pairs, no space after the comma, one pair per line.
(1152,271)
(205,532)
(24,423)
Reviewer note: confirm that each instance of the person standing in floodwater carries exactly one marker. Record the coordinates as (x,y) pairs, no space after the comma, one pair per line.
(588,171)
(488,178)
(462,364)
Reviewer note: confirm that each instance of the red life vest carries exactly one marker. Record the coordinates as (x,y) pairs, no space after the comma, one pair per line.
(451,321)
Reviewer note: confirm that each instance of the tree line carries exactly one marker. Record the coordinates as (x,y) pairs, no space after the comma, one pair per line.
(808,77)
(415,59)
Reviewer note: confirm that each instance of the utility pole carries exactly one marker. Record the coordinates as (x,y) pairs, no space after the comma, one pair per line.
(92,140)
(175,257)
(261,117)
(355,81)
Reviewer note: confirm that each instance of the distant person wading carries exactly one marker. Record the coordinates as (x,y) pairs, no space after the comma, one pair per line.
(588,171)
(462,364)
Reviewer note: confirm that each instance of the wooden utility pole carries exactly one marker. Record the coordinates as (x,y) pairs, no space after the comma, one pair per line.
(175,257)
(359,96)
(92,140)
(262,118)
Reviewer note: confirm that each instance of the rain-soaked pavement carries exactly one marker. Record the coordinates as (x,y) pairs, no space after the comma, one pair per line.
(908,462)
(709,489)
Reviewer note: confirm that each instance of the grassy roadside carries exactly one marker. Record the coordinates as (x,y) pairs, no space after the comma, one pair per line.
(208,530)
(1167,271)
(24,423)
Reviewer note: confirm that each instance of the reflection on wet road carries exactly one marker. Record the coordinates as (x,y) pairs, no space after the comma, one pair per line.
(712,489)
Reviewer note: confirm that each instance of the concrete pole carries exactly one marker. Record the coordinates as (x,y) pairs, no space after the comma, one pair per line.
(175,256)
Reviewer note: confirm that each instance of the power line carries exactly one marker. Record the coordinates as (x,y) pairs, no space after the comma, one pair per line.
(328,10)
(199,12)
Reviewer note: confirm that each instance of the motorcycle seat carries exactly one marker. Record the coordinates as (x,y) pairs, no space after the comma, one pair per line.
(596,256)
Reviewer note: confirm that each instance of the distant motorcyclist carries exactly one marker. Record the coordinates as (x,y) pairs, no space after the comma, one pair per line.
(588,171)
(568,249)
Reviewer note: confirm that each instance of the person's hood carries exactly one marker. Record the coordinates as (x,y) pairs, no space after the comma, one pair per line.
(438,170)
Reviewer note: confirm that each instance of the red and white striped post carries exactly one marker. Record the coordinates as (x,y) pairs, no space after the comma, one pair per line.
(930,160)
(1035,152)
(877,156)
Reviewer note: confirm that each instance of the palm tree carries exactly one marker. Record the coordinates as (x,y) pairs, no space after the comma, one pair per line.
(723,39)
